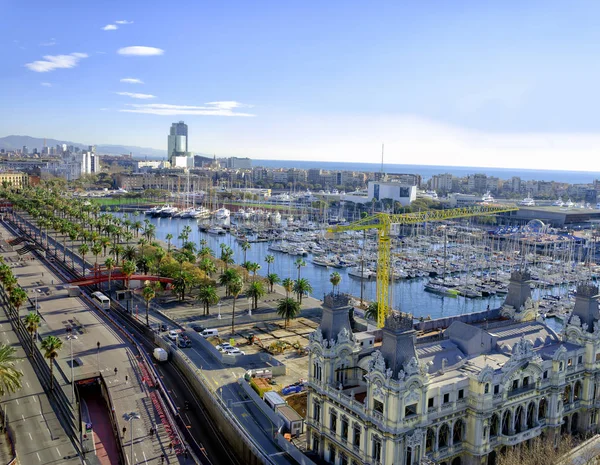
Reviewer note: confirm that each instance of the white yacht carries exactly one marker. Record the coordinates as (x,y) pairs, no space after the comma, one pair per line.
(216,230)
(527,202)
(222,213)
(487,198)
(558,203)
(355,272)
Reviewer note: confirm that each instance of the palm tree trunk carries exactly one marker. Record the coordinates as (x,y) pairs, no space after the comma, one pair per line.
(147,309)
(51,374)
(233,316)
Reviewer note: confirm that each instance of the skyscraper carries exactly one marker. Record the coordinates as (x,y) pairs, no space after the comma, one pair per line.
(177,143)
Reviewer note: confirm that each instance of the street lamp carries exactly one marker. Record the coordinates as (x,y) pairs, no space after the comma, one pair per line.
(130,417)
(70,337)
(219,315)
(249,307)
(36,291)
(98,356)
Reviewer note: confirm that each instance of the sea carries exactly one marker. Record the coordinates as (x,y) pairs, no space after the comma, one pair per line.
(427,171)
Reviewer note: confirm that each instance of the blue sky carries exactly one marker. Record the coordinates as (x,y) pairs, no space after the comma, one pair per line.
(455,83)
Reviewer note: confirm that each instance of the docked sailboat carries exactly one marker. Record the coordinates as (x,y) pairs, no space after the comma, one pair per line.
(441,290)
(356,272)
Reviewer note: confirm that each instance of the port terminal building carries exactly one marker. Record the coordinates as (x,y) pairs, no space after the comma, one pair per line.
(557,217)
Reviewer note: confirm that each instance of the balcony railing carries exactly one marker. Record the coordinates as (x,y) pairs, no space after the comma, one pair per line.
(521,390)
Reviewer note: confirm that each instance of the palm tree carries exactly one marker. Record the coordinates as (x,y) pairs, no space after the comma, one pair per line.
(335,279)
(288,309)
(96,250)
(109,263)
(288,285)
(148,293)
(168,237)
(208,296)
(10,377)
(253,267)
(234,288)
(226,256)
(245,247)
(205,252)
(299,263)
(32,322)
(269,259)
(273,279)
(129,253)
(208,266)
(227,277)
(104,242)
(371,313)
(51,345)
(128,270)
(255,291)
(116,250)
(302,287)
(17,297)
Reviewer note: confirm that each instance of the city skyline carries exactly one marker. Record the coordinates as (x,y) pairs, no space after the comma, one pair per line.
(494,86)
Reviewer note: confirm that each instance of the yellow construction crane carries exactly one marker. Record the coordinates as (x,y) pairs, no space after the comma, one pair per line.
(383,223)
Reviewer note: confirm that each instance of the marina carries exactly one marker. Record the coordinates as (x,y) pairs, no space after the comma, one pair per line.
(437,270)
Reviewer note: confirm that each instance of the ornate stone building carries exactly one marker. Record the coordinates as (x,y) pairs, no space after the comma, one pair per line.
(457,395)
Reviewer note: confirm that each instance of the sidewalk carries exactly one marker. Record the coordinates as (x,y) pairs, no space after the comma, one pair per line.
(126,387)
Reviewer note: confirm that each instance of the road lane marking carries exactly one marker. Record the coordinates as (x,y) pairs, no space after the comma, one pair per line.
(145,459)
(57,451)
(35,400)
(30,437)
(23,417)
(27,384)
(38,456)
(17,401)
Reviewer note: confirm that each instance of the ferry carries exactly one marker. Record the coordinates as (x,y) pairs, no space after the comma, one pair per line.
(527,202)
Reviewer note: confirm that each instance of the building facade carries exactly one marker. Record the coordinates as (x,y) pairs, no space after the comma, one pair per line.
(403,193)
(15,180)
(396,397)
(177,141)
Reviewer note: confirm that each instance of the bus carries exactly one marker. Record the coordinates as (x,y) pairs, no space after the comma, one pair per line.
(101,300)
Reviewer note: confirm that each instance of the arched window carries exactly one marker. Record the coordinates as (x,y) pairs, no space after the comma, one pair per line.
(567,394)
(578,391)
(494,425)
(519,419)
(530,415)
(542,408)
(458,431)
(506,421)
(444,436)
(487,388)
(429,440)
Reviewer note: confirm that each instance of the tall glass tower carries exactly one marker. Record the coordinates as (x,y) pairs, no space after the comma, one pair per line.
(177,144)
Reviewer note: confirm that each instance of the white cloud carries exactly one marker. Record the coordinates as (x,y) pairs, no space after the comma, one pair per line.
(46,84)
(110,27)
(50,43)
(134,95)
(209,109)
(139,50)
(132,81)
(123,21)
(52,62)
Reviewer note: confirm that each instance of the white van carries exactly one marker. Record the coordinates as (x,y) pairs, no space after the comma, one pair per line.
(209,333)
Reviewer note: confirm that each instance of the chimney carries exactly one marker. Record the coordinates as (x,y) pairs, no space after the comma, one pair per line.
(518,289)
(586,305)
(399,338)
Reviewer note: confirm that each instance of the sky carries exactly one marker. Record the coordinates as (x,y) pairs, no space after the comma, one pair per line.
(463,83)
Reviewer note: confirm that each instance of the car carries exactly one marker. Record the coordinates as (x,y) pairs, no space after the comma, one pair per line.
(196,327)
(224,346)
(184,341)
(164,327)
(234,351)
(173,335)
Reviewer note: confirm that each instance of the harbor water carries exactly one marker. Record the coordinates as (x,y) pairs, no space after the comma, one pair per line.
(407,295)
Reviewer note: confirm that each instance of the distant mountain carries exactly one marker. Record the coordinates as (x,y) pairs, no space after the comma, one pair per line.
(17,142)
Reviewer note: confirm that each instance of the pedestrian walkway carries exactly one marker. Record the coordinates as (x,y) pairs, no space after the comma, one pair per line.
(98,348)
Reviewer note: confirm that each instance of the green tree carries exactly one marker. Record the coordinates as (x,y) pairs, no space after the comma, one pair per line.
(269,259)
(226,256)
(148,293)
(372,313)
(255,291)
(208,296)
(128,270)
(288,285)
(245,247)
(17,297)
(253,268)
(301,288)
(235,288)
(299,263)
(96,250)
(273,279)
(109,264)
(335,279)
(51,345)
(227,277)
(169,238)
(288,309)
(83,250)
(10,377)
(32,323)
(208,266)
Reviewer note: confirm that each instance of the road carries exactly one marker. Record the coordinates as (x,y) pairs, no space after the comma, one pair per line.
(39,436)
(224,378)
